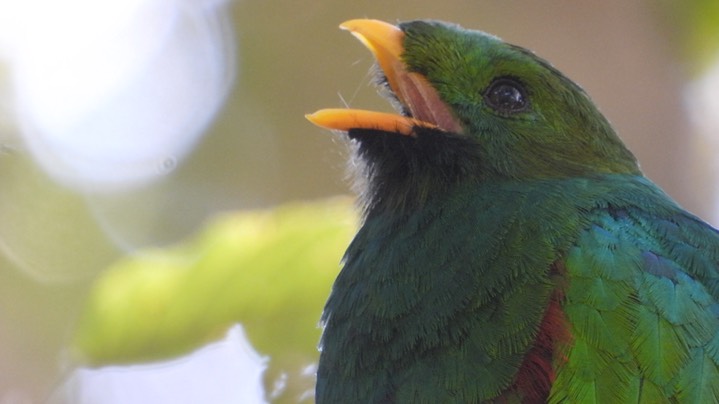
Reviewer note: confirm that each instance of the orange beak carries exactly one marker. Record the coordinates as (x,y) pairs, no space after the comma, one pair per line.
(385,41)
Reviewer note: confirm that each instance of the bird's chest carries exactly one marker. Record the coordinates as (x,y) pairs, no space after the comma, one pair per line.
(431,280)
(453,294)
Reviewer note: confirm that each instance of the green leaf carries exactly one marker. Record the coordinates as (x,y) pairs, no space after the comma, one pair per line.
(697,25)
(269,270)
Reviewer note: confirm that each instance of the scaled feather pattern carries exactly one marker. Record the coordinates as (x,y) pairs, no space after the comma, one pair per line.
(511,250)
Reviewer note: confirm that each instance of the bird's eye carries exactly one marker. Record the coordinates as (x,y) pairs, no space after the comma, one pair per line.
(506,95)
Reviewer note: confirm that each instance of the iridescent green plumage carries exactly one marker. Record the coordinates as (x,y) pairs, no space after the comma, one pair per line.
(525,259)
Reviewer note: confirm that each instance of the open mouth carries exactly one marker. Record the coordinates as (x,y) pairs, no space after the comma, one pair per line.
(422,106)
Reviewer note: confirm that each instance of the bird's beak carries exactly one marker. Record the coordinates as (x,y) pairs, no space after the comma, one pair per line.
(420,99)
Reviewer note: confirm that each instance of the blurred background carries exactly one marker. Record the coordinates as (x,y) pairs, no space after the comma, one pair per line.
(165,232)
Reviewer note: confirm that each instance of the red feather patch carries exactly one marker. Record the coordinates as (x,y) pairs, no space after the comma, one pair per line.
(536,375)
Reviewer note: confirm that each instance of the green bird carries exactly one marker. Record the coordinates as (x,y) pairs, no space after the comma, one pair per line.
(511,249)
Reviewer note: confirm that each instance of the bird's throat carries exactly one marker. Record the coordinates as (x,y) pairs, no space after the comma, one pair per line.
(399,173)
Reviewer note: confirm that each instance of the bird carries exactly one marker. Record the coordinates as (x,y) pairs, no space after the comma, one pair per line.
(510,249)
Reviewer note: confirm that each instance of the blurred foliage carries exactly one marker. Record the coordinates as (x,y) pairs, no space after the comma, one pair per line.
(270,270)
(696,25)
(36,214)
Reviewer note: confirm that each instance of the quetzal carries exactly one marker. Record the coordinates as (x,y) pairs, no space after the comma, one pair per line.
(511,249)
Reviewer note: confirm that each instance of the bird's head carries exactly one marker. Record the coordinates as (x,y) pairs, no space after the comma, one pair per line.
(472,109)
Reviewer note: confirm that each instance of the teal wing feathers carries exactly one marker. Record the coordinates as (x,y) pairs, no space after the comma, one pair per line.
(642,301)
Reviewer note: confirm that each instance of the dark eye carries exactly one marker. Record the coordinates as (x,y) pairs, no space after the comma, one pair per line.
(506,95)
